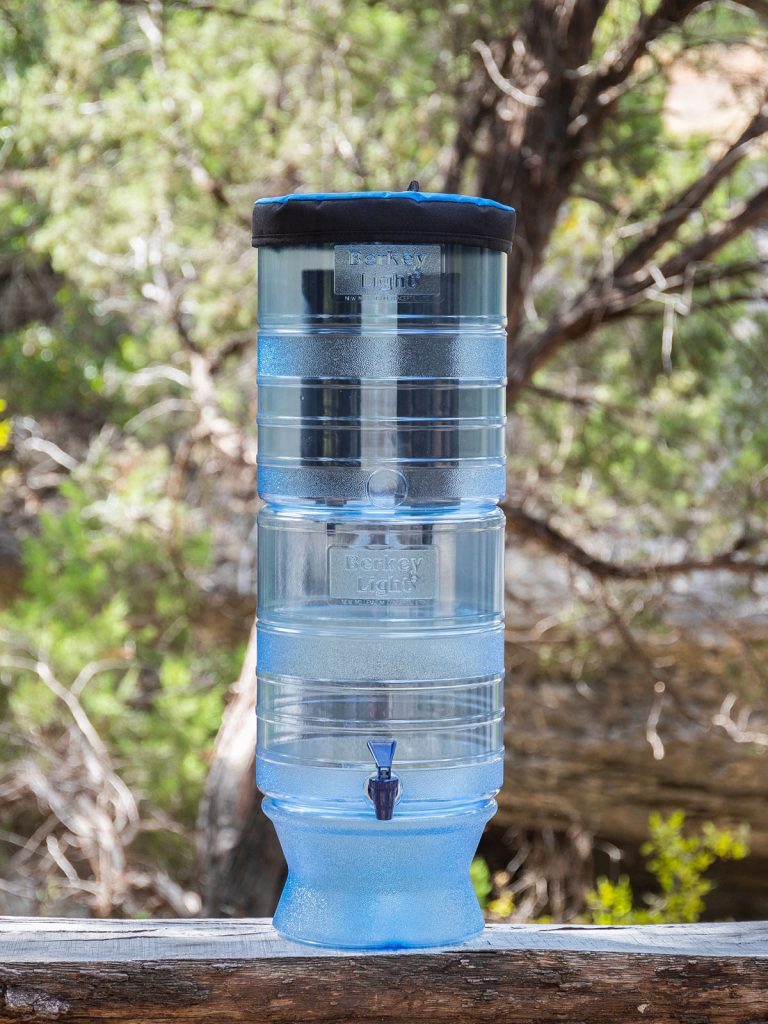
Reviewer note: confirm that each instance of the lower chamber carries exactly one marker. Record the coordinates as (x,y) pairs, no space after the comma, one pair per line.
(337,670)
(362,883)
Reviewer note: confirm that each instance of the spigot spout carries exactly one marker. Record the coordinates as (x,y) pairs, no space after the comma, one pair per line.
(383,787)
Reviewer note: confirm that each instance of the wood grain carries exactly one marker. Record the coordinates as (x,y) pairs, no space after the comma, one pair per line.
(141,972)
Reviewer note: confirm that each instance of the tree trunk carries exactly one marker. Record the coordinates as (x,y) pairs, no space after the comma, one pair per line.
(242,865)
(530,156)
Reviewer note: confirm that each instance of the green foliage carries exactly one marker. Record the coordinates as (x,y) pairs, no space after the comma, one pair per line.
(480,875)
(669,438)
(139,136)
(650,446)
(135,137)
(110,586)
(133,126)
(678,863)
(62,366)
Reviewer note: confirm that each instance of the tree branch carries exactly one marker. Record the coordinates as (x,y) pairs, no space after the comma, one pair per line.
(577,400)
(540,109)
(236,346)
(553,540)
(746,215)
(501,83)
(480,99)
(618,64)
(711,302)
(610,299)
(528,159)
(216,7)
(680,209)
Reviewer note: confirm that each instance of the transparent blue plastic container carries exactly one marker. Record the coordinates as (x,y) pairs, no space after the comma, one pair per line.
(381,459)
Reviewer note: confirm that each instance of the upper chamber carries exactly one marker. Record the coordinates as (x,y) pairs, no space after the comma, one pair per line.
(381,373)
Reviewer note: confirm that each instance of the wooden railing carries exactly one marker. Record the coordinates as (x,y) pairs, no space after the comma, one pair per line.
(141,972)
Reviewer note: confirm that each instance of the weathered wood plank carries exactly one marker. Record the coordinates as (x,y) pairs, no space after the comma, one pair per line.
(225,971)
(30,940)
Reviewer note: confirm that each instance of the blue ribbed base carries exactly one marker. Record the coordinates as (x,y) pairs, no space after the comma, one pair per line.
(366,884)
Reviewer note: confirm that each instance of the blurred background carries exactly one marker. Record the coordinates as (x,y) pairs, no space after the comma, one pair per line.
(630,136)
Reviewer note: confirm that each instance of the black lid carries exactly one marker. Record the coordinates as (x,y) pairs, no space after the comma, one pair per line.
(413,216)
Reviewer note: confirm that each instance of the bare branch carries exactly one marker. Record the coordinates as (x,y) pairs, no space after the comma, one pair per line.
(500,81)
(219,429)
(212,424)
(739,728)
(610,299)
(528,159)
(551,538)
(580,401)
(619,63)
(680,209)
(479,98)
(711,302)
(746,215)
(215,7)
(234,347)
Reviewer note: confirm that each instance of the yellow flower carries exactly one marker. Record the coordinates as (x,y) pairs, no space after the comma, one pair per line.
(5,426)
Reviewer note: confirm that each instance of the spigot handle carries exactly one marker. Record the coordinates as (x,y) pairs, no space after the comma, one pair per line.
(383,752)
(384,787)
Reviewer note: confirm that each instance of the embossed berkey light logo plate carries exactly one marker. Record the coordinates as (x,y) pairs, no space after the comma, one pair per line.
(404,271)
(379,573)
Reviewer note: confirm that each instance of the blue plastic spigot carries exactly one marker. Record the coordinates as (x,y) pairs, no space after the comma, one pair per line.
(384,787)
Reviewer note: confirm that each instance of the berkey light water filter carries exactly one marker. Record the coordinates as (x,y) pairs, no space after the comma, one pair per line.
(381,362)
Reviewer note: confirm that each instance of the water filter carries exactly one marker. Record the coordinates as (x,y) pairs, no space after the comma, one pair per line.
(381,363)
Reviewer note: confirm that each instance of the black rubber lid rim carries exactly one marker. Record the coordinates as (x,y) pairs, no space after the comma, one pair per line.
(394,218)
